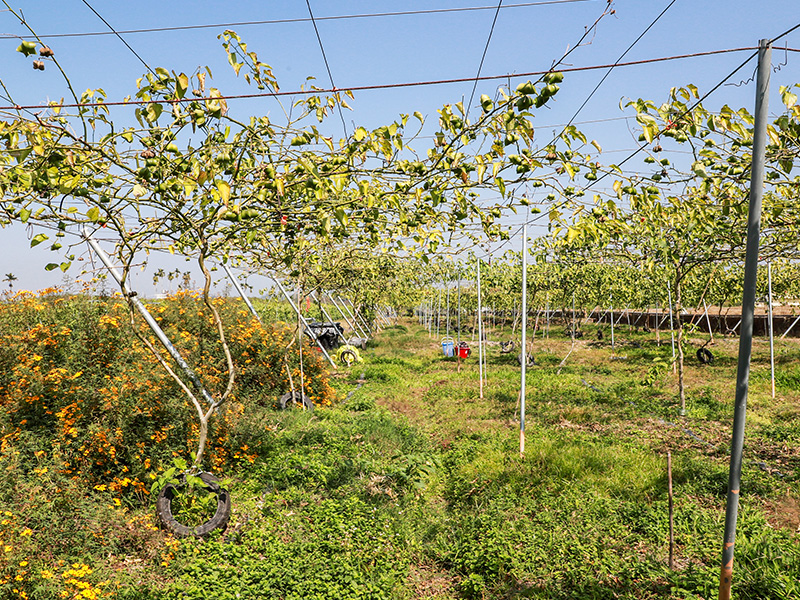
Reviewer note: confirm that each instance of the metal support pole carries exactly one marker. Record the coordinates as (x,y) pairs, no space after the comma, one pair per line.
(448,309)
(327,316)
(481,367)
(748,310)
(438,313)
(611,309)
(303,321)
(771,332)
(355,318)
(790,327)
(239,289)
(344,316)
(708,320)
(524,354)
(148,318)
(458,313)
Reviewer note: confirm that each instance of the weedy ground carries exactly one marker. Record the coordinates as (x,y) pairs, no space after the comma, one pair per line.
(413,486)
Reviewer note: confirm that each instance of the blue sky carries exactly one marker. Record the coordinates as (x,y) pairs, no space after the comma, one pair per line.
(393,49)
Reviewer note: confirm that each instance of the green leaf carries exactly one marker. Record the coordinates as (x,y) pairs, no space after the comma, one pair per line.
(93,214)
(38,239)
(152,112)
(181,85)
(699,169)
(24,213)
(572,233)
(50,266)
(789,98)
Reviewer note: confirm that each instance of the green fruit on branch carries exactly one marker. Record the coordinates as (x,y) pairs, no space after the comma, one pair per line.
(526,88)
(553,77)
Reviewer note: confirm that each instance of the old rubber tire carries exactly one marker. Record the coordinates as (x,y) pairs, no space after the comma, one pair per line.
(289,399)
(704,356)
(218,521)
(531,360)
(348,357)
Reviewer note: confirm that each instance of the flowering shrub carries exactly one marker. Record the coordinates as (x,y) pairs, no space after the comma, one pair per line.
(76,383)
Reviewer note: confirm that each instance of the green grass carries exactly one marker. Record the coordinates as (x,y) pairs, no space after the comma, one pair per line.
(414,487)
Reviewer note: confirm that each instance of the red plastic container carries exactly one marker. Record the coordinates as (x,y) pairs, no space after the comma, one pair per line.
(464,350)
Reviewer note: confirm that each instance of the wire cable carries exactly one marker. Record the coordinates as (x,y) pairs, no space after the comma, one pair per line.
(388,86)
(679,117)
(687,111)
(327,66)
(127,45)
(611,68)
(304,20)
(483,56)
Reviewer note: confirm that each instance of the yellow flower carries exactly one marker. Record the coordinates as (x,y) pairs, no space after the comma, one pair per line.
(26,532)
(23,563)
(47,574)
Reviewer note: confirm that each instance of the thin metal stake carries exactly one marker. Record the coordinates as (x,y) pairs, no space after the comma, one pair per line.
(611,309)
(771,332)
(241,292)
(524,341)
(480,332)
(304,322)
(148,318)
(671,513)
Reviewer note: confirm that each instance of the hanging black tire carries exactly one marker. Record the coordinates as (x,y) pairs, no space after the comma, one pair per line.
(531,360)
(290,399)
(219,521)
(599,334)
(507,347)
(704,356)
(348,357)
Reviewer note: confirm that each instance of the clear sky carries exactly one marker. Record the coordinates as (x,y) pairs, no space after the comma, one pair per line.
(372,50)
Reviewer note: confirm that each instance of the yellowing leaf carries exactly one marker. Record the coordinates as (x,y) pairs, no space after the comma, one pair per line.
(224,191)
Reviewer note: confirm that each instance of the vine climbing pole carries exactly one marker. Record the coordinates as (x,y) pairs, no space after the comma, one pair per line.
(524,361)
(748,309)
(481,366)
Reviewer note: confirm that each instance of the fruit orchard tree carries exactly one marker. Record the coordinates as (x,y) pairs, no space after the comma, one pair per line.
(194,178)
(681,220)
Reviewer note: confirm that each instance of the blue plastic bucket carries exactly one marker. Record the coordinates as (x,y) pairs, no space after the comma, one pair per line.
(448,346)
